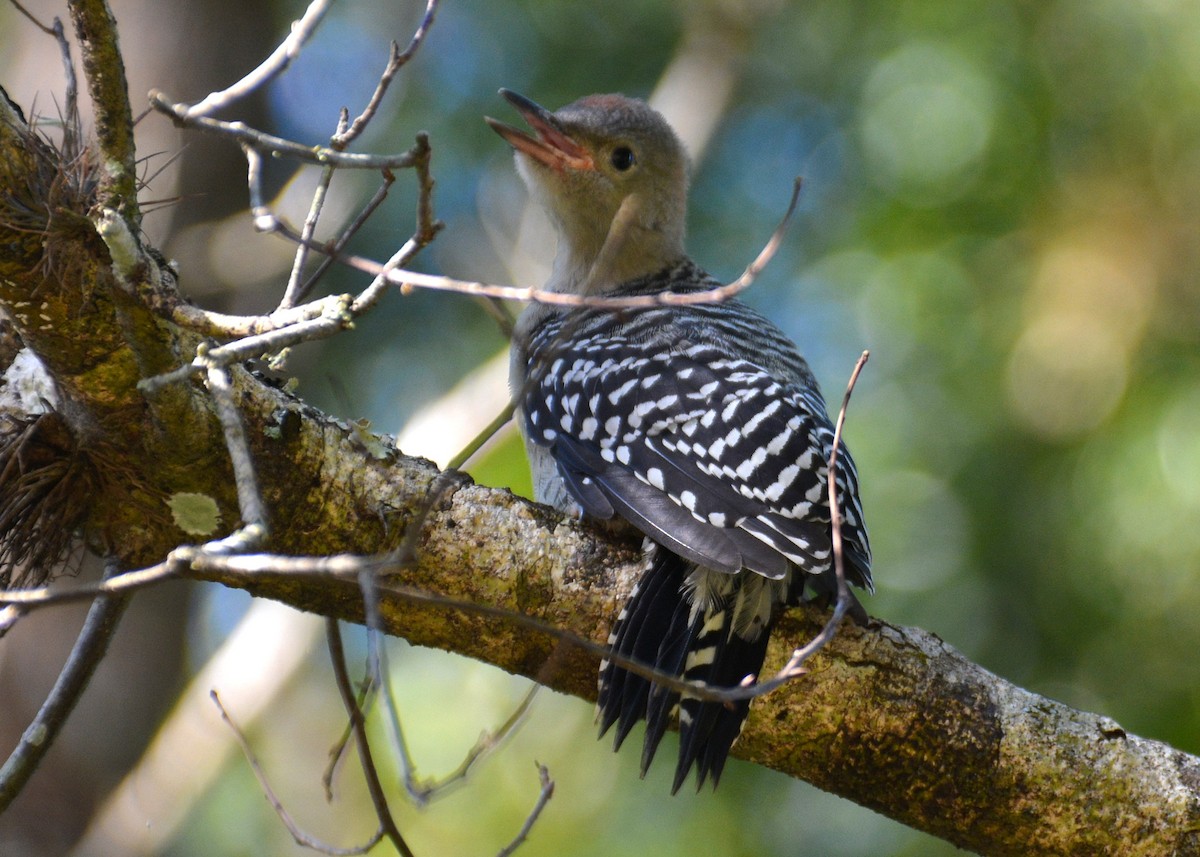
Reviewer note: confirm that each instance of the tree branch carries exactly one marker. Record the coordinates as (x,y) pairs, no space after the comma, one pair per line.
(104,70)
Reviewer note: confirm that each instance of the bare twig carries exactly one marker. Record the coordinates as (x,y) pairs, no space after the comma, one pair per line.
(799,656)
(487,743)
(337,655)
(128,581)
(346,234)
(426,231)
(263,142)
(320,319)
(408,279)
(483,747)
(271,67)
(335,315)
(90,648)
(9,616)
(250,504)
(337,752)
(397,61)
(547,792)
(468,451)
(70,143)
(292,293)
(380,675)
(223,326)
(301,838)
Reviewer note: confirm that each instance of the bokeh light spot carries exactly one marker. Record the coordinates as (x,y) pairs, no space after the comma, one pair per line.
(1179,447)
(927,120)
(1066,374)
(921,541)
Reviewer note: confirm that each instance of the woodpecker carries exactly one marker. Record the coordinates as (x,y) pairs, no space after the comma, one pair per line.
(700,425)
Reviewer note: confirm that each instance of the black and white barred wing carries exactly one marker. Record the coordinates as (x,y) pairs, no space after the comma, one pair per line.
(710,455)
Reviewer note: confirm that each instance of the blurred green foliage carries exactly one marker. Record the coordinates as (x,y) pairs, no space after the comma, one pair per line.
(1001,201)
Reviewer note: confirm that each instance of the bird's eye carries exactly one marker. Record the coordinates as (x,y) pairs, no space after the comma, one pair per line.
(622,158)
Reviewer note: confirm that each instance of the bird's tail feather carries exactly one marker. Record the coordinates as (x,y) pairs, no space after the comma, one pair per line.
(708,729)
(623,695)
(656,628)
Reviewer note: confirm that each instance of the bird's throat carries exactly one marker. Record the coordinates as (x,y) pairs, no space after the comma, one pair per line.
(592,262)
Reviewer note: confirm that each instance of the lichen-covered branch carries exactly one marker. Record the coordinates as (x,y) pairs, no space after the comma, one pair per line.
(104,69)
(890,717)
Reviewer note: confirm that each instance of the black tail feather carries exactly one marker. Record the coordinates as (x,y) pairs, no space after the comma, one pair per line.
(654,629)
(663,702)
(622,696)
(708,729)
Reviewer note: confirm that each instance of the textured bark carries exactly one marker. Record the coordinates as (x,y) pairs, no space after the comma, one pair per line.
(890,717)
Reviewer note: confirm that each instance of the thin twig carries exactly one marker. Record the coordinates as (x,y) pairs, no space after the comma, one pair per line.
(308,322)
(271,67)
(264,142)
(547,792)
(70,123)
(292,293)
(468,451)
(250,503)
(128,581)
(346,234)
(480,750)
(337,753)
(301,838)
(378,677)
(381,675)
(397,61)
(793,667)
(335,315)
(407,279)
(258,206)
(10,614)
(90,648)
(337,655)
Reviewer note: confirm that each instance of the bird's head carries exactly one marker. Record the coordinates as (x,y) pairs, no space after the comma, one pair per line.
(613,177)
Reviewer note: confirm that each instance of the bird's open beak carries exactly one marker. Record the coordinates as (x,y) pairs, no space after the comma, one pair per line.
(551,146)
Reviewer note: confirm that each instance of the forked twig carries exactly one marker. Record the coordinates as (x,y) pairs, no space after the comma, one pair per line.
(397,61)
(263,142)
(337,753)
(300,836)
(70,114)
(544,795)
(337,655)
(270,68)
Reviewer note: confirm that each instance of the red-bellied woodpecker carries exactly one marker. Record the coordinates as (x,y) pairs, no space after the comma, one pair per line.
(700,425)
